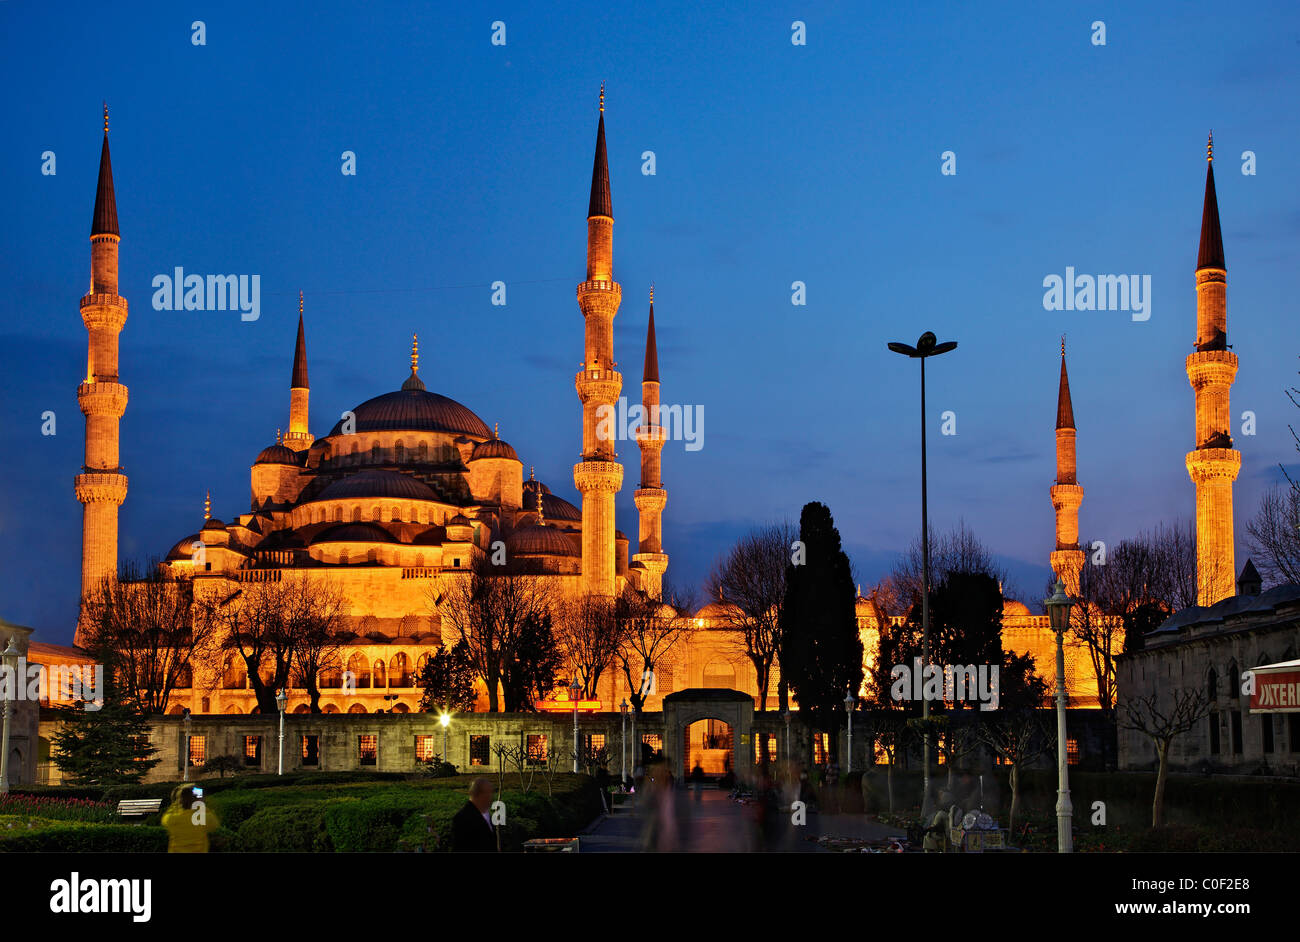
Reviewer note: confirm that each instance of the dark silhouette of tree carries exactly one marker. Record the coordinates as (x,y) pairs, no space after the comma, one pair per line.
(530,674)
(821,653)
(447,680)
(107,745)
(1162,719)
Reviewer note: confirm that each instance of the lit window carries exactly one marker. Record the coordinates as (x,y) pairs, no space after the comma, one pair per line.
(480,750)
(820,749)
(252,750)
(536,749)
(424,749)
(368,749)
(198,750)
(1072,751)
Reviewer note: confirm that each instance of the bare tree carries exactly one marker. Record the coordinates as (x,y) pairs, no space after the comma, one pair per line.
(315,616)
(1274,535)
(257,628)
(1100,631)
(1162,725)
(749,584)
(1019,738)
(651,628)
(958,550)
(890,733)
(591,634)
(151,629)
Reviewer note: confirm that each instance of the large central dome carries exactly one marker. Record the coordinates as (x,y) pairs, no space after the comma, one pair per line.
(415,410)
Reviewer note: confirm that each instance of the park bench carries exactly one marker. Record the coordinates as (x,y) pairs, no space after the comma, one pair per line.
(138,807)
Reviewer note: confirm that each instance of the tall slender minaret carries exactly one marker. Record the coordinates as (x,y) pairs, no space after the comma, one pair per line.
(1067,495)
(1214,464)
(101,487)
(651,497)
(599,476)
(298,437)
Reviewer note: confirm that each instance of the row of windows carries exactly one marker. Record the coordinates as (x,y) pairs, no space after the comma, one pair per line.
(362,674)
(400,453)
(1227,724)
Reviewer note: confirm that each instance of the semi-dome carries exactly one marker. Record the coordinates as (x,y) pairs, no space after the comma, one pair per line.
(555,508)
(276,454)
(414,409)
(540,541)
(388,484)
(185,548)
(493,448)
(354,533)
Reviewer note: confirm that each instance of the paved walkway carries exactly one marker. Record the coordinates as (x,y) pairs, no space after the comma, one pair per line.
(716,824)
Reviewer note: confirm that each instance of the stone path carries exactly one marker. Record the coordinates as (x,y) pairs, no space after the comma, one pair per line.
(716,824)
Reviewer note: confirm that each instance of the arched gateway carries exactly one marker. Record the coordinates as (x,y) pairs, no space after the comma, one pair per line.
(732,707)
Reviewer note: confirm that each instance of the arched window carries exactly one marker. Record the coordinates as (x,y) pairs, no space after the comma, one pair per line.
(399,451)
(401,708)
(420,664)
(395,514)
(1212,685)
(301,708)
(719,675)
(375,514)
(338,514)
(331,708)
(1233,679)
(374,452)
(360,668)
(331,677)
(419,560)
(399,671)
(356,514)
(422,452)
(378,673)
(343,557)
(357,708)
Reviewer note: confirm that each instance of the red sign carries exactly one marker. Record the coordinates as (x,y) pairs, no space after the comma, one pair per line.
(1276,692)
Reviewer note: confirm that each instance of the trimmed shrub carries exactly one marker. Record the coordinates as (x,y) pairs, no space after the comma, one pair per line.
(285,828)
(89,839)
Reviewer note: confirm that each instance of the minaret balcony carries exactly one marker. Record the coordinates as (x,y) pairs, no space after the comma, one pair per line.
(96,487)
(598,385)
(650,500)
(1211,368)
(597,474)
(101,398)
(1211,464)
(651,436)
(103,311)
(655,562)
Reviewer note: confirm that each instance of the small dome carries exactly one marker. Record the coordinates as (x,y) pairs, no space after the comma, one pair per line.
(460,520)
(354,533)
(276,454)
(717,610)
(540,541)
(555,508)
(377,484)
(1014,609)
(185,548)
(493,448)
(214,524)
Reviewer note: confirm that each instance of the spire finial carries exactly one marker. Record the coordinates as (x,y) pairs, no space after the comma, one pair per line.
(530,473)
(278,440)
(207,505)
(415,353)
(602,98)
(496,429)
(105,117)
(541,516)
(1062,346)
(652,292)
(300,303)
(1209,148)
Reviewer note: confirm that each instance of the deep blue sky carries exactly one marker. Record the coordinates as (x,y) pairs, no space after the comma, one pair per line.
(775,163)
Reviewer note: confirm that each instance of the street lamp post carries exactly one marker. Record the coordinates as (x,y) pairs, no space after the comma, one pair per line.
(622,780)
(849,704)
(575,689)
(926,346)
(10,658)
(281,700)
(187,722)
(1058,613)
(786,716)
(445,721)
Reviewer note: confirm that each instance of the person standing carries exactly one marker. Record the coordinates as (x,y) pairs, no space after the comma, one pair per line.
(188,821)
(472,830)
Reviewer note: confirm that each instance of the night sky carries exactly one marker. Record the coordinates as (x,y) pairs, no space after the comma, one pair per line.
(775,163)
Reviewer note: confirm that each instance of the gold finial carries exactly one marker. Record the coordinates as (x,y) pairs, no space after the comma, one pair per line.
(541,516)
(415,354)
(496,429)
(300,304)
(530,473)
(602,97)
(277,437)
(1062,345)
(652,292)
(1209,148)
(207,505)
(105,117)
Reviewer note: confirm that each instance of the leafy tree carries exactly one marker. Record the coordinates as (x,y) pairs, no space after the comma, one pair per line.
(821,653)
(107,746)
(530,674)
(447,680)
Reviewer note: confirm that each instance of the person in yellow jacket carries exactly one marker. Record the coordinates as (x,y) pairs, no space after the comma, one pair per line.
(188,820)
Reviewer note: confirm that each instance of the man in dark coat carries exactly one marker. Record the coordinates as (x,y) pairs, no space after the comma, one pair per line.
(471,828)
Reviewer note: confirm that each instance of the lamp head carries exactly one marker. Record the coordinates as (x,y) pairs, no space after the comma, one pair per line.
(445,720)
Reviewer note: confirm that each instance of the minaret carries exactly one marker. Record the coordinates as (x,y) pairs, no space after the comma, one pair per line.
(651,497)
(1214,464)
(1067,495)
(298,437)
(101,486)
(599,476)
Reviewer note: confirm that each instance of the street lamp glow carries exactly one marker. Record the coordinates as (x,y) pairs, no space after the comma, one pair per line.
(1058,614)
(445,720)
(927,345)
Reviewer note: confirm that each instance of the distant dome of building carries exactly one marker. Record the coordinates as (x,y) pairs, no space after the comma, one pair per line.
(363,484)
(1014,609)
(555,508)
(717,610)
(493,448)
(415,409)
(185,548)
(460,520)
(540,541)
(354,533)
(276,454)
(214,524)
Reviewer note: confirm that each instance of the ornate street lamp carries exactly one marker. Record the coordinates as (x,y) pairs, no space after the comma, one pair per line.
(575,690)
(622,708)
(849,704)
(10,658)
(188,723)
(281,701)
(926,346)
(445,721)
(1058,613)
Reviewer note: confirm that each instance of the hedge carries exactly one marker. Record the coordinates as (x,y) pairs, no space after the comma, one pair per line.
(89,839)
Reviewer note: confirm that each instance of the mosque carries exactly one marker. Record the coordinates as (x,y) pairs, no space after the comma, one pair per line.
(411,485)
